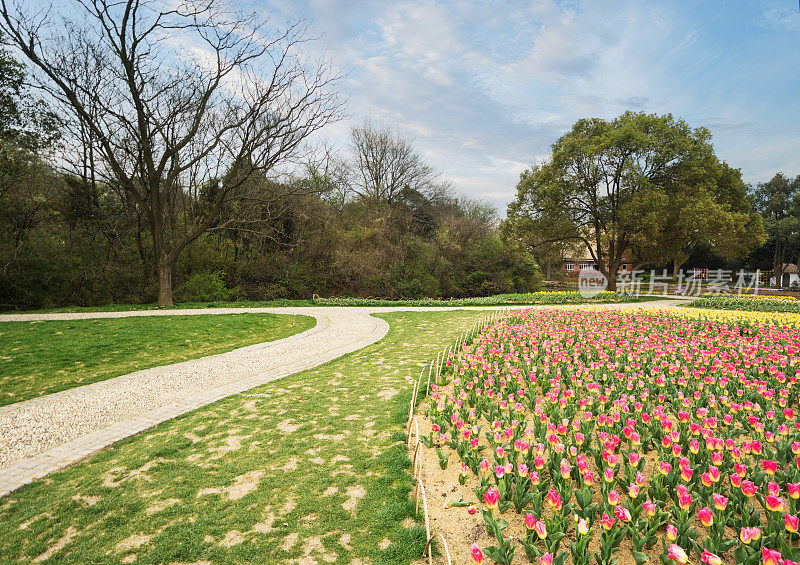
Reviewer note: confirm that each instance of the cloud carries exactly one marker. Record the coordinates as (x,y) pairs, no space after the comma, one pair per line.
(483,88)
(722,123)
(780,17)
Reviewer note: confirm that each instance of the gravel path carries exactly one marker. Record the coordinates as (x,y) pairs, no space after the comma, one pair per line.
(44,434)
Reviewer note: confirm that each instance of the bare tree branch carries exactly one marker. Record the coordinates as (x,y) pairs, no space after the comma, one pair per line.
(173,96)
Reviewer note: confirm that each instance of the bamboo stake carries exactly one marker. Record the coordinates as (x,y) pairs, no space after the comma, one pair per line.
(412,404)
(421,489)
(416,429)
(444,543)
(414,472)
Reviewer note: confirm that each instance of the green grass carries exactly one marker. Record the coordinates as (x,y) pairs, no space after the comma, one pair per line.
(530,298)
(38,358)
(179,305)
(747,304)
(319,451)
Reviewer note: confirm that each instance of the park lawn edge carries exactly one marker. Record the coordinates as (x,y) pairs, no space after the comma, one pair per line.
(388,509)
(367,303)
(79,365)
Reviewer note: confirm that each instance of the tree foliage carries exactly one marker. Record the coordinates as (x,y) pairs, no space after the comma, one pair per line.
(165,99)
(639,188)
(778,200)
(287,237)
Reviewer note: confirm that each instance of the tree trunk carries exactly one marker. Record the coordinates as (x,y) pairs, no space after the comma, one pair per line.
(676,269)
(777,265)
(164,282)
(611,277)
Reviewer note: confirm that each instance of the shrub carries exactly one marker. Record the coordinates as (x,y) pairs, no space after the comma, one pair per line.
(207,287)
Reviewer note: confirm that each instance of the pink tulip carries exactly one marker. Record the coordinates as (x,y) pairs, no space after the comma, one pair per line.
(706,516)
(677,554)
(672,532)
(791,523)
(565,469)
(607,521)
(622,514)
(546,559)
(530,521)
(477,554)
(774,503)
(770,556)
(748,488)
(554,499)
(710,558)
(747,535)
(491,498)
(541,529)
(773,488)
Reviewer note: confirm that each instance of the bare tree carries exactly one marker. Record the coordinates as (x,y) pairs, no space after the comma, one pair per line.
(325,173)
(175,96)
(385,164)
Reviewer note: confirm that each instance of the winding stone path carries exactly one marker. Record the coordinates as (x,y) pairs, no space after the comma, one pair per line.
(44,434)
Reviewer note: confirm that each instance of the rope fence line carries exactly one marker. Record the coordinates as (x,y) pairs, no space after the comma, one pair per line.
(444,544)
(412,425)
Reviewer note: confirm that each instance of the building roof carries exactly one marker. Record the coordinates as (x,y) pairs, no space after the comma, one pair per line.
(790,268)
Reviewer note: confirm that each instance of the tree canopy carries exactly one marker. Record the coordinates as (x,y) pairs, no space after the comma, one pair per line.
(227,97)
(639,188)
(778,200)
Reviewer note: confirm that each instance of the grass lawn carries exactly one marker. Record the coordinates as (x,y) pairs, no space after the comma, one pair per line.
(308,467)
(38,358)
(179,305)
(530,299)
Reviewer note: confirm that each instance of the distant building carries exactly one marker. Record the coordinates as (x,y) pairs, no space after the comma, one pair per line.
(791,275)
(572,265)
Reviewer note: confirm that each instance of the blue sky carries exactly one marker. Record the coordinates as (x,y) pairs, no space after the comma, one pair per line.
(484,88)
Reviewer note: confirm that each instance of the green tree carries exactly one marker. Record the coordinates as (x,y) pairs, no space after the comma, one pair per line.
(706,205)
(778,200)
(162,120)
(28,185)
(601,182)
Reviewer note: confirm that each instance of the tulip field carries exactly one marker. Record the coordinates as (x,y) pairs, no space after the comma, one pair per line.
(625,436)
(751,303)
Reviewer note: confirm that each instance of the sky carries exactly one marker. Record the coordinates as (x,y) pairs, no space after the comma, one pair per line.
(483,88)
